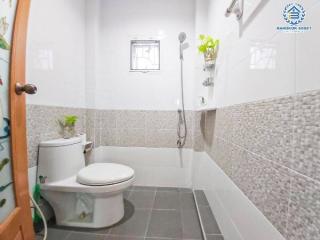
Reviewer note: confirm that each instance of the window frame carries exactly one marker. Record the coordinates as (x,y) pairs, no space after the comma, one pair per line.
(157,41)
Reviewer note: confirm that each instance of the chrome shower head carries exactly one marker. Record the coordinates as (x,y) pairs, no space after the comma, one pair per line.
(182,37)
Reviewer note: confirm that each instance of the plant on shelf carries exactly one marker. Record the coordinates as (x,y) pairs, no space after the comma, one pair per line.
(67,125)
(208,47)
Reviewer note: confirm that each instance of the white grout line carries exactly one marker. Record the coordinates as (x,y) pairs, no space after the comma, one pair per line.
(150,215)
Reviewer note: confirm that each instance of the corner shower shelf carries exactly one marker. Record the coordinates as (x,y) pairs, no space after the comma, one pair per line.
(206,108)
(209,66)
(208,82)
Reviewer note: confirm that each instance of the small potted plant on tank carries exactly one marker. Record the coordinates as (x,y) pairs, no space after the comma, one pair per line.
(209,48)
(67,125)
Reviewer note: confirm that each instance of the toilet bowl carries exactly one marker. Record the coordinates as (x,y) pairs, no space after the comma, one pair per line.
(81,196)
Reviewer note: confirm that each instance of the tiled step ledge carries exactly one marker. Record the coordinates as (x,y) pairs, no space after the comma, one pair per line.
(209,225)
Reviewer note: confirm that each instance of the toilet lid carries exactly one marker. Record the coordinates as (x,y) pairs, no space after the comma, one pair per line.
(100,174)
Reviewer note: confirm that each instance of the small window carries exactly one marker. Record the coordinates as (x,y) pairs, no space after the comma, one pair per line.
(145,55)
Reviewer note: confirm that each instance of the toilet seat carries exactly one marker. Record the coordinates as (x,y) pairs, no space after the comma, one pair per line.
(95,178)
(102,174)
(72,186)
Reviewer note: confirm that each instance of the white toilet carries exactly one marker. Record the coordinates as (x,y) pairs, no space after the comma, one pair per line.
(90,197)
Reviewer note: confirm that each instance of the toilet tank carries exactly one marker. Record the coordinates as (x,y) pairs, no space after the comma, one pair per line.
(60,159)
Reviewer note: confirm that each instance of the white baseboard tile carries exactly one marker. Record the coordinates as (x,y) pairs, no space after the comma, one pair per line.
(163,167)
(237,216)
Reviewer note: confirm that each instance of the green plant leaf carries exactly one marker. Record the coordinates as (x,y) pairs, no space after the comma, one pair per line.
(202,49)
(3,202)
(4,162)
(4,44)
(70,120)
(208,43)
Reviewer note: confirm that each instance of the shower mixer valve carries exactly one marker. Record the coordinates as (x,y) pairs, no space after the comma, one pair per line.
(208,82)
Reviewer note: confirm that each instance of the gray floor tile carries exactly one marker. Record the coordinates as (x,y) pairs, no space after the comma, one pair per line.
(191,228)
(159,238)
(126,194)
(167,189)
(174,217)
(165,224)
(39,237)
(98,231)
(133,224)
(185,190)
(142,199)
(84,236)
(201,198)
(187,201)
(210,224)
(129,210)
(112,237)
(54,234)
(167,200)
(84,230)
(215,237)
(144,188)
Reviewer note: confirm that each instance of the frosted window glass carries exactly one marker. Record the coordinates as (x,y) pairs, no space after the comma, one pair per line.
(7,195)
(145,55)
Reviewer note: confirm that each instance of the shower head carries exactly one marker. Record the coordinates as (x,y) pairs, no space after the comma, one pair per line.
(182,37)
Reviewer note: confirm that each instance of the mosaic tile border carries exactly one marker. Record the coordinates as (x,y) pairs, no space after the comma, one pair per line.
(42,125)
(126,128)
(271,150)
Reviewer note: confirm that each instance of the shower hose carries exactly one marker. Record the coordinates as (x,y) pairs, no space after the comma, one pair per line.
(42,217)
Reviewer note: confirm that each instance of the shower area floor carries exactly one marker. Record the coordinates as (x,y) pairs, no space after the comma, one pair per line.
(153,213)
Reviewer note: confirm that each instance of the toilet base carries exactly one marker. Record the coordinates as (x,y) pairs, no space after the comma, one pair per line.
(86,210)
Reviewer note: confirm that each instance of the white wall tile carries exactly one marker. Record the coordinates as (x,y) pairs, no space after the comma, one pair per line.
(56,52)
(264,72)
(308,51)
(163,167)
(141,19)
(255,60)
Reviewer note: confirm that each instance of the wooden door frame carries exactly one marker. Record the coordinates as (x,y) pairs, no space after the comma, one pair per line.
(19,224)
